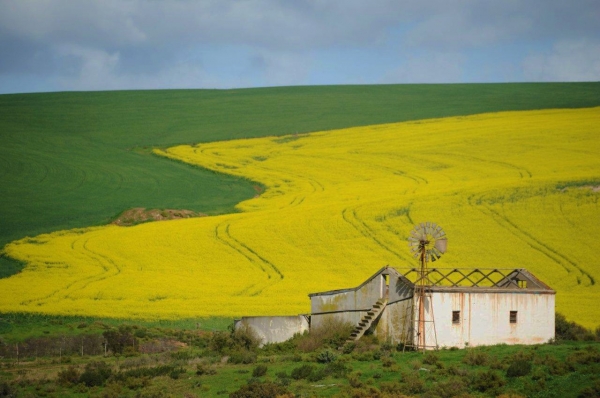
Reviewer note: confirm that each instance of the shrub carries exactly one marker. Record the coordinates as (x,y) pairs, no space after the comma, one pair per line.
(242,357)
(6,390)
(332,333)
(219,342)
(144,372)
(202,369)
(392,388)
(452,387)
(518,368)
(265,389)
(486,381)
(337,369)
(565,330)
(326,356)
(354,380)
(387,362)
(591,392)
(68,376)
(302,372)
(174,374)
(316,375)
(95,374)
(120,338)
(348,347)
(244,337)
(454,370)
(475,358)
(431,358)
(259,371)
(412,383)
(583,358)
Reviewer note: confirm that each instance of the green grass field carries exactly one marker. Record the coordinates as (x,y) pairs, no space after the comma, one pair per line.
(78,159)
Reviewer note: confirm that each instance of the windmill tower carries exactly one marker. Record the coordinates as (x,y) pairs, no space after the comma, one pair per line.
(427,243)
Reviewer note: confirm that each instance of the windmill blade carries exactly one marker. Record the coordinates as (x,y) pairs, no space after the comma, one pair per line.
(441,245)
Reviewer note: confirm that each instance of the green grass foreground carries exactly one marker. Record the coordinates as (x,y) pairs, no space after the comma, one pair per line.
(72,160)
(163,362)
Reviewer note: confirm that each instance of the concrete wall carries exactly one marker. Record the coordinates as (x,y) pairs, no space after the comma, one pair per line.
(351,305)
(274,329)
(348,305)
(484,318)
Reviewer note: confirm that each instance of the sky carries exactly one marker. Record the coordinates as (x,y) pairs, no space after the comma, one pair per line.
(65,45)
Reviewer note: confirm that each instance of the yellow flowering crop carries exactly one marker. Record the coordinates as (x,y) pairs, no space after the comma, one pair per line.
(511,190)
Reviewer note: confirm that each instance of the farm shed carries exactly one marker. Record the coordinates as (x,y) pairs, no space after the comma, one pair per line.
(461,308)
(274,329)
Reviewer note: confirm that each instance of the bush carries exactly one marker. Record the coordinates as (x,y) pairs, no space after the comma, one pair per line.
(302,372)
(518,368)
(590,392)
(565,330)
(175,373)
(337,369)
(260,390)
(95,374)
(244,337)
(475,357)
(486,381)
(242,357)
(332,333)
(348,347)
(354,380)
(144,372)
(452,387)
(6,390)
(120,338)
(326,356)
(316,375)
(202,369)
(412,383)
(583,358)
(259,371)
(67,377)
(392,388)
(431,358)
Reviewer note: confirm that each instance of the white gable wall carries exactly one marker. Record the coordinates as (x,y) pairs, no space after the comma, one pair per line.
(485,318)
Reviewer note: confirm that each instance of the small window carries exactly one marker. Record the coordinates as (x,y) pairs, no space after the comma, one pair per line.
(522,284)
(513,317)
(456,317)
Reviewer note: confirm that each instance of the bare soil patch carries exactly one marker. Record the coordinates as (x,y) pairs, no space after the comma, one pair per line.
(139,215)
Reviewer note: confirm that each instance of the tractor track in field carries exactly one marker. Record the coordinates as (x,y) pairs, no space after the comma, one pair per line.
(566,263)
(99,260)
(349,215)
(523,172)
(271,272)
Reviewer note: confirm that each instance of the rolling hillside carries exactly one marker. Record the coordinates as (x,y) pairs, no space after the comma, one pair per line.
(511,189)
(72,160)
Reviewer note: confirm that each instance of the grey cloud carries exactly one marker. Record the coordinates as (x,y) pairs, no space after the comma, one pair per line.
(481,23)
(569,60)
(446,67)
(132,44)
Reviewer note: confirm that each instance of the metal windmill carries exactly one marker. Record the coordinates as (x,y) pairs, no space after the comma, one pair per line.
(427,243)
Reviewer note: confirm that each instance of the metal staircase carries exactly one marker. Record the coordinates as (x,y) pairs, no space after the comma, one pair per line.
(366,322)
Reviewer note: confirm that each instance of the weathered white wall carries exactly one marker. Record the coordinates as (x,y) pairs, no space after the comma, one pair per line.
(274,329)
(485,318)
(343,305)
(348,305)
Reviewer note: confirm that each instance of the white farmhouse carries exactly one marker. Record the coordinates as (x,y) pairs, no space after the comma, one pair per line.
(461,308)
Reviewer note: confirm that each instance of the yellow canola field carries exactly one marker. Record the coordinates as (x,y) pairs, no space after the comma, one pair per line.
(511,190)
